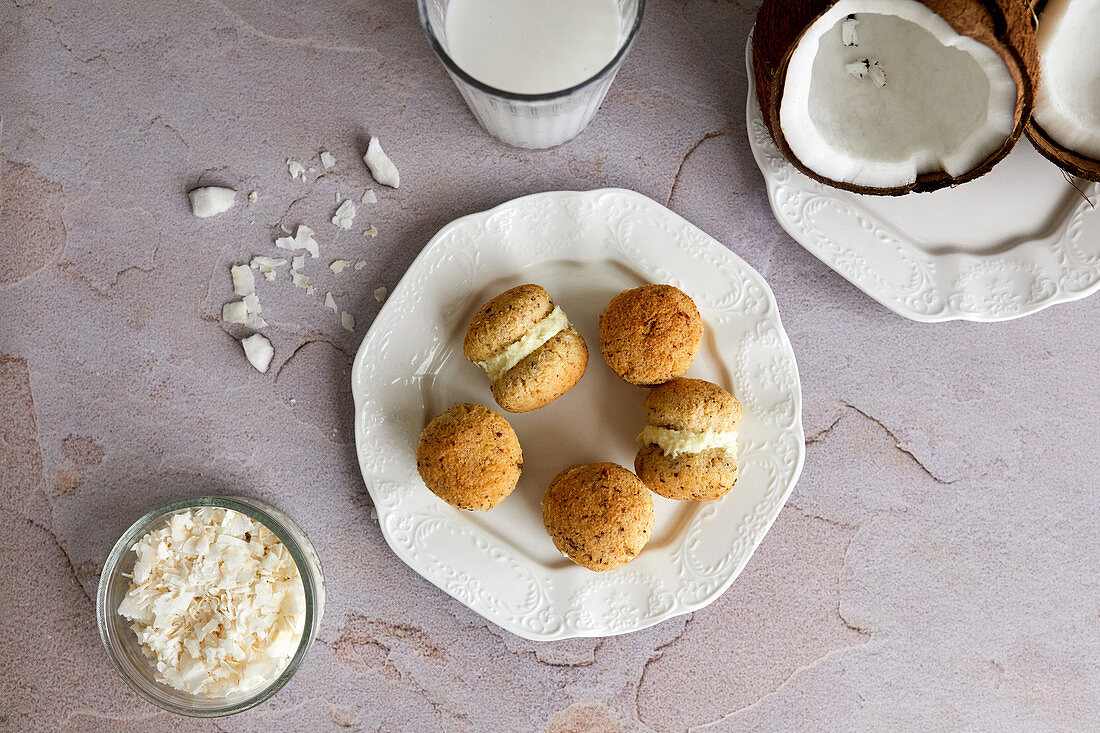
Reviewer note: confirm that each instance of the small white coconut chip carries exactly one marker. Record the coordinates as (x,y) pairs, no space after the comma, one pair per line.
(298,262)
(252,303)
(266,264)
(235,312)
(302,239)
(867,69)
(253,197)
(381,167)
(300,280)
(243,281)
(372,232)
(345,215)
(330,302)
(338,266)
(369,197)
(296,169)
(259,351)
(380,293)
(210,200)
(848,35)
(327,159)
(347,320)
(360,264)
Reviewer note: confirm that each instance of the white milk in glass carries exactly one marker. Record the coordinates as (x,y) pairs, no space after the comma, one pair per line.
(533,46)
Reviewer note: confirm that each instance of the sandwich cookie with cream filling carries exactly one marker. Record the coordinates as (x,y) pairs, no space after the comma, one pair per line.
(689,446)
(527,347)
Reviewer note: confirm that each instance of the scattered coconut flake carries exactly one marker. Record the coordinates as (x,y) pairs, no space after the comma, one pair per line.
(303,239)
(330,303)
(360,264)
(296,169)
(252,303)
(344,215)
(258,350)
(380,293)
(284,229)
(252,197)
(347,320)
(338,266)
(369,197)
(848,31)
(309,290)
(298,262)
(243,281)
(235,312)
(373,513)
(300,280)
(311,169)
(381,167)
(372,232)
(210,200)
(336,195)
(867,69)
(266,264)
(327,159)
(270,275)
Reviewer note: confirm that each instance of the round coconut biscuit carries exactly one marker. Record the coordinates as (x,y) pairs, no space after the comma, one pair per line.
(540,377)
(698,406)
(469,457)
(651,334)
(599,515)
(544,375)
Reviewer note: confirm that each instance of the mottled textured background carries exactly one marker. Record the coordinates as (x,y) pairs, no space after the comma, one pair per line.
(936,566)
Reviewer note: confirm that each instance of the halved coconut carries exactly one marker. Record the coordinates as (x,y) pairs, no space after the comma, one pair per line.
(1065,125)
(893,96)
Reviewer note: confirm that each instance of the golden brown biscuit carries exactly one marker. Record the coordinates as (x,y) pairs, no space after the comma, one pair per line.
(469,457)
(650,334)
(599,515)
(527,347)
(689,449)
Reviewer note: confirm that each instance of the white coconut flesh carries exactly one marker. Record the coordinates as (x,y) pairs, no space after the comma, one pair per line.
(910,96)
(1067,105)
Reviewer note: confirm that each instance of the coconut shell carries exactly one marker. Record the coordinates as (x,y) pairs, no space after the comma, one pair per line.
(1068,160)
(1003,25)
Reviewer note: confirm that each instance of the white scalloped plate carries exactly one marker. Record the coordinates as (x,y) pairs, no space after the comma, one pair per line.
(583,247)
(1008,244)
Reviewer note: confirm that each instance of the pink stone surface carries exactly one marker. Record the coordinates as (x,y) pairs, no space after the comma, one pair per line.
(934,568)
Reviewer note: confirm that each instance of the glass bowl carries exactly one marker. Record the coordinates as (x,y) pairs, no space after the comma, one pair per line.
(122,646)
(534,121)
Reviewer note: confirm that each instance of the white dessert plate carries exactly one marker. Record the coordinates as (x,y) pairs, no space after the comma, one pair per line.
(583,247)
(1008,244)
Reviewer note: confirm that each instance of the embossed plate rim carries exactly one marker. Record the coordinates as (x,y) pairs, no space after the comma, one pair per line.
(701,564)
(949,289)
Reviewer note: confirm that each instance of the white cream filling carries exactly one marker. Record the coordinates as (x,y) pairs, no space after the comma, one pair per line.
(675,442)
(549,327)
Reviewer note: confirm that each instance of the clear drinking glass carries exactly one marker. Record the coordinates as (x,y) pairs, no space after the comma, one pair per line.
(532,120)
(122,646)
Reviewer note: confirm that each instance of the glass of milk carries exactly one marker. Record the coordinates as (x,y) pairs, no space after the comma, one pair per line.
(533,72)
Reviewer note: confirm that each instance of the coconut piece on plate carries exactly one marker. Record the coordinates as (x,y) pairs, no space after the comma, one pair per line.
(211,200)
(243,281)
(259,351)
(381,167)
(345,215)
(927,93)
(347,320)
(302,239)
(1066,124)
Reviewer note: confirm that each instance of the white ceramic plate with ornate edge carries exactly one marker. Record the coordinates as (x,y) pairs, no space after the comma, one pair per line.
(583,247)
(1008,244)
